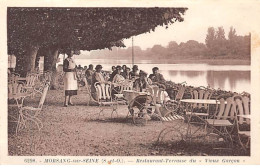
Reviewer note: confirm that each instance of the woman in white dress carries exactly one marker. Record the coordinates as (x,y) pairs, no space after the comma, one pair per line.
(70,79)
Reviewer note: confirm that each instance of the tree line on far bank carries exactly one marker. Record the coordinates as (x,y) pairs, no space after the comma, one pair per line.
(216,46)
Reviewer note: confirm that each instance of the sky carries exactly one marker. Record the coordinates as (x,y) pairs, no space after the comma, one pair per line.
(201,15)
(196,22)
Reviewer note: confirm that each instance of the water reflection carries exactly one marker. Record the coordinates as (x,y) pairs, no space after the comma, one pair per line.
(228,77)
(237,81)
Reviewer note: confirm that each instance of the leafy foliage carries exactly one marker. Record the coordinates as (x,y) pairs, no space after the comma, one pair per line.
(83,28)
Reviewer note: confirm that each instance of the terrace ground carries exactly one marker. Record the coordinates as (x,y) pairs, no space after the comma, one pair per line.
(77,131)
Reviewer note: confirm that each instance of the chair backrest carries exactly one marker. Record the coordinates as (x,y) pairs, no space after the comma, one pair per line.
(180,93)
(242,106)
(13,77)
(154,91)
(200,94)
(44,93)
(103,91)
(15,88)
(127,85)
(225,108)
(30,79)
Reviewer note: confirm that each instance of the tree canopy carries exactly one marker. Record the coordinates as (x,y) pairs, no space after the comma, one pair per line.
(82,28)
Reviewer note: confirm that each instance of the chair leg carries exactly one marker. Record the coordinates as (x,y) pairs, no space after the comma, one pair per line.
(101,111)
(114,110)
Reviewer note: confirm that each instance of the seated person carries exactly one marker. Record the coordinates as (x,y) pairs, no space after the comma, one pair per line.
(157,78)
(126,73)
(117,80)
(134,74)
(115,72)
(89,73)
(103,90)
(141,83)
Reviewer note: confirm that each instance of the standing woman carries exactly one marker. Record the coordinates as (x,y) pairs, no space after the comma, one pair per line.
(70,79)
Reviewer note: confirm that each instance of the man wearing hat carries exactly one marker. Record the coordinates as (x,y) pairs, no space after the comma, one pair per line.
(134,74)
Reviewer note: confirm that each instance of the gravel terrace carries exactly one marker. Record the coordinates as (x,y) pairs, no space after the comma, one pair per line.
(77,131)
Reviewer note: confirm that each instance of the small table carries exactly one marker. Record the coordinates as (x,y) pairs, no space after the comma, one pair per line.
(129,95)
(197,101)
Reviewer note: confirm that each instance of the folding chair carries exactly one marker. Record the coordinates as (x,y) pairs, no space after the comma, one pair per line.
(138,108)
(242,106)
(88,89)
(30,83)
(198,109)
(126,85)
(28,113)
(173,106)
(223,119)
(171,112)
(105,99)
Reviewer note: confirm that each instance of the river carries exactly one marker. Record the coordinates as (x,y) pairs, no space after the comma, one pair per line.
(228,77)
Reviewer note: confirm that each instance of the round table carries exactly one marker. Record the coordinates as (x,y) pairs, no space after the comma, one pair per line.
(129,95)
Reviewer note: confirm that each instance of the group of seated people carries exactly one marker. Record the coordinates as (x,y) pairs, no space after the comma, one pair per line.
(139,78)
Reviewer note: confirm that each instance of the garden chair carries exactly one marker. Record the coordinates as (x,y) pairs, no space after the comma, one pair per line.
(242,111)
(198,109)
(13,77)
(88,91)
(139,109)
(28,113)
(104,98)
(17,93)
(223,121)
(126,85)
(173,106)
(30,83)
(172,112)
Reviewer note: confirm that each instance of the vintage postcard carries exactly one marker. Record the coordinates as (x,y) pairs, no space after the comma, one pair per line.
(130,82)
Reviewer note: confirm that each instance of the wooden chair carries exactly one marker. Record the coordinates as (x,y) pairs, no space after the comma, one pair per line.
(173,107)
(16,92)
(88,91)
(28,113)
(223,119)
(126,85)
(242,111)
(198,109)
(172,113)
(139,108)
(29,85)
(13,77)
(104,98)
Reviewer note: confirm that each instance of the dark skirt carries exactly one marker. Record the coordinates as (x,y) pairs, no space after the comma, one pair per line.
(71,92)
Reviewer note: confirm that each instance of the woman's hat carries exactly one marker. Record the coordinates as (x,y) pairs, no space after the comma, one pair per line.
(118,67)
(135,67)
(99,67)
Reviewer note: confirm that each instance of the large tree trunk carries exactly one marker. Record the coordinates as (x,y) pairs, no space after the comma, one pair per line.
(31,55)
(50,61)
(21,63)
(25,61)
